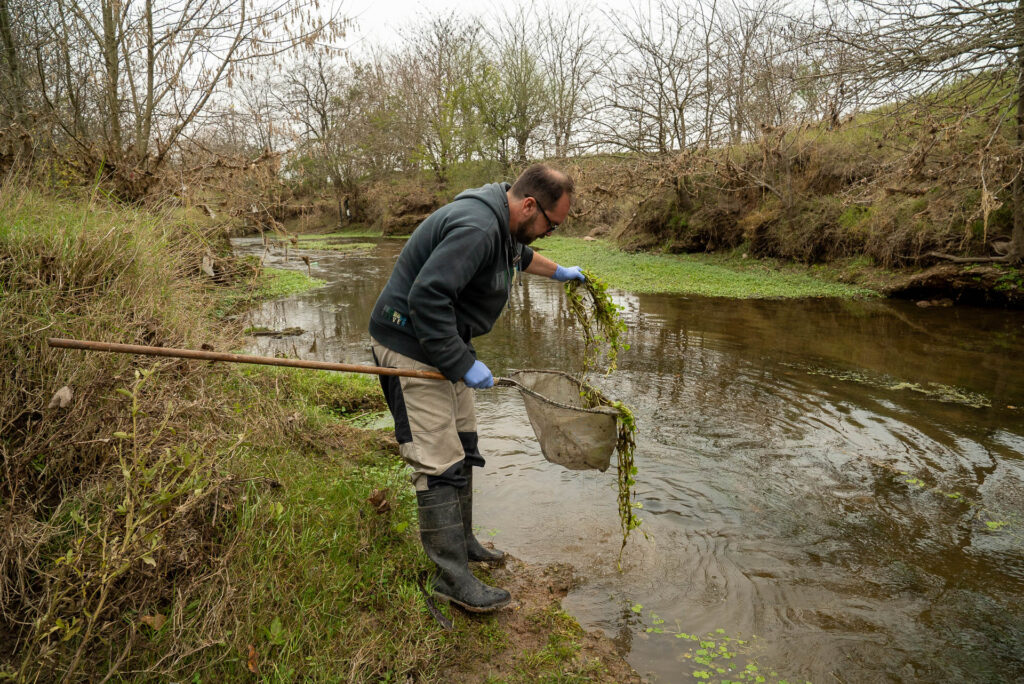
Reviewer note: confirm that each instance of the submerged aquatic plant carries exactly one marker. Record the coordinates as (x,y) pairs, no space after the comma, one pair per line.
(603,328)
(931,390)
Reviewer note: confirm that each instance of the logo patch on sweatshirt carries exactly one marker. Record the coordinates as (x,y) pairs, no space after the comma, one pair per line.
(395,317)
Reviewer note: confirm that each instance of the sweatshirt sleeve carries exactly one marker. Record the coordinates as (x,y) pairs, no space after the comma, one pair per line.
(450,267)
(527,257)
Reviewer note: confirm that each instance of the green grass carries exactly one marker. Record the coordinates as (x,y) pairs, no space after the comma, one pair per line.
(326,245)
(323,396)
(359,231)
(189,521)
(279,282)
(331,589)
(271,283)
(706,275)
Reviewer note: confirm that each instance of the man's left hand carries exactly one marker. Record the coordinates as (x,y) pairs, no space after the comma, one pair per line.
(563,274)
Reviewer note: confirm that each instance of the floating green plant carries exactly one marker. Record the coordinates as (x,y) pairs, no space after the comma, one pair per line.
(980,512)
(328,245)
(603,330)
(932,390)
(715,656)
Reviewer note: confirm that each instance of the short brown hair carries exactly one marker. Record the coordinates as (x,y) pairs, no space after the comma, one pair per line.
(543,183)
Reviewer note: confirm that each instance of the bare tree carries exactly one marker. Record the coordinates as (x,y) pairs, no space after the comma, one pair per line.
(571,61)
(390,137)
(510,91)
(336,112)
(436,73)
(11,78)
(755,71)
(654,81)
(261,109)
(961,58)
(828,73)
(148,70)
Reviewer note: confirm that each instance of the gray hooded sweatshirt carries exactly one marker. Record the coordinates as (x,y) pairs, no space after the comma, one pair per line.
(451,281)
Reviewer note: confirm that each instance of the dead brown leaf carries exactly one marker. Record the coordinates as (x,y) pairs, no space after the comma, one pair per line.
(61,398)
(379,500)
(155,621)
(253,660)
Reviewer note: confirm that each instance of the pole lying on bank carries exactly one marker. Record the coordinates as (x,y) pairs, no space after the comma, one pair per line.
(201,355)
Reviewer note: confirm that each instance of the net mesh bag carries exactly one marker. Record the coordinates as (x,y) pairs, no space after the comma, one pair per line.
(570,433)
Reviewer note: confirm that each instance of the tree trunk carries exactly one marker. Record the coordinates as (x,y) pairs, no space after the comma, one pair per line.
(111,59)
(146,125)
(1016,251)
(342,197)
(11,57)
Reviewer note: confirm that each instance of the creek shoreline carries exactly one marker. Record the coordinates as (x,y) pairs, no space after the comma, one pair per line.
(534,622)
(737,275)
(256,532)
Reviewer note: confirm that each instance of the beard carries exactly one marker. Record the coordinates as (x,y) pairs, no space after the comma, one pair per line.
(520,233)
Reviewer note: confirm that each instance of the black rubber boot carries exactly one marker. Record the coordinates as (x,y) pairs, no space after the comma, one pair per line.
(476,551)
(441,532)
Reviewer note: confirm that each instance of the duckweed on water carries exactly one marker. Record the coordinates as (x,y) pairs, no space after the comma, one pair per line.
(603,329)
(705,275)
(981,514)
(329,245)
(716,656)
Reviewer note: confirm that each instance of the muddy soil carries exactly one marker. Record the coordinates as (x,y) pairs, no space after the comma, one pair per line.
(529,623)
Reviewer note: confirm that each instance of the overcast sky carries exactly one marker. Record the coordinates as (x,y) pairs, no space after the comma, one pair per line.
(378,21)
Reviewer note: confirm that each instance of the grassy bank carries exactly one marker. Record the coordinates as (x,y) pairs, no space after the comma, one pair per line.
(335,246)
(178,520)
(707,275)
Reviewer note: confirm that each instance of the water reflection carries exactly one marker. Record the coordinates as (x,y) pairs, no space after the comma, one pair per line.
(798,483)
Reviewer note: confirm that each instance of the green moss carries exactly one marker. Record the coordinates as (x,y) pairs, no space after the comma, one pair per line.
(707,275)
(679,220)
(278,282)
(271,283)
(327,245)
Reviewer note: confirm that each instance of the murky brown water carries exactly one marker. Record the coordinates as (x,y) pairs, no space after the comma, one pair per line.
(772,438)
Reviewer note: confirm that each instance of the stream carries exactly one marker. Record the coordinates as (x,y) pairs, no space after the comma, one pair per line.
(832,491)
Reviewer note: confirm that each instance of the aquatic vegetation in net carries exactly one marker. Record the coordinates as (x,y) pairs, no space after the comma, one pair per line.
(599,319)
(603,328)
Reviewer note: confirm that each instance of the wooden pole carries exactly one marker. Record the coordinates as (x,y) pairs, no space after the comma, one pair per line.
(236,358)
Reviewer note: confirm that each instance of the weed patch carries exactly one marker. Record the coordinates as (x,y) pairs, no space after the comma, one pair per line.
(264,284)
(706,275)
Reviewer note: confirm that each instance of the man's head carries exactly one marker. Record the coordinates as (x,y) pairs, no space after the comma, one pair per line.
(538,202)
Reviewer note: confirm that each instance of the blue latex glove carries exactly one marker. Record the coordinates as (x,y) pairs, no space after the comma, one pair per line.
(563,274)
(478,376)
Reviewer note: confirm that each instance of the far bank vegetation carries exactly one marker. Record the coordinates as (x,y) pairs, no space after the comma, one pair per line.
(887,130)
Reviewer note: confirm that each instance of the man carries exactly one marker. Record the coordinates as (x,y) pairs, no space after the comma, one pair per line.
(451,282)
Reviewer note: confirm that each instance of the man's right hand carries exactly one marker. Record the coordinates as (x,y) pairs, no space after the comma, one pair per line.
(478,376)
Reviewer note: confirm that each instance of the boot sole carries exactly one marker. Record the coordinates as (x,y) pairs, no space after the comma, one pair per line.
(499,559)
(473,609)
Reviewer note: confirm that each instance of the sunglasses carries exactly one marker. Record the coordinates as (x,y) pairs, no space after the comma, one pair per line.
(551,226)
